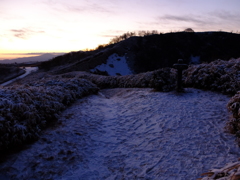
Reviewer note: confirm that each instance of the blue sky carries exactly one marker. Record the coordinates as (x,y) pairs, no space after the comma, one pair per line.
(29,26)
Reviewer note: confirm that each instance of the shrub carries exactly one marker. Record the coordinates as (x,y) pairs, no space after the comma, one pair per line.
(161,79)
(219,75)
(26,110)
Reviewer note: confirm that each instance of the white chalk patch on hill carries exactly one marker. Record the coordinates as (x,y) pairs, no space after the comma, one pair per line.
(116,65)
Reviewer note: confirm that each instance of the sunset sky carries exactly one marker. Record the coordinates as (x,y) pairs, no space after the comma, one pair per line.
(30,26)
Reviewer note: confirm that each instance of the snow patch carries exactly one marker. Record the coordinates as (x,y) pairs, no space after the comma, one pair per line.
(116,65)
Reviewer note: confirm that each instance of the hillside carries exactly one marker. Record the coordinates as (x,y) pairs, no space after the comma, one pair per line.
(8,72)
(153,52)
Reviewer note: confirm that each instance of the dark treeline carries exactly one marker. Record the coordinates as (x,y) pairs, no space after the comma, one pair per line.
(127,35)
(123,37)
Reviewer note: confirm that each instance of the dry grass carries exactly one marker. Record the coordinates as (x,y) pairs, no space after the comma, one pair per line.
(229,172)
(233,125)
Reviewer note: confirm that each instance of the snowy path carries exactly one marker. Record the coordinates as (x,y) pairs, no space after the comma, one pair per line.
(131,134)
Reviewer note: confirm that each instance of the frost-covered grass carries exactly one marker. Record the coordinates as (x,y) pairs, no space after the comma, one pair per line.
(222,76)
(233,125)
(228,172)
(219,75)
(25,110)
(161,80)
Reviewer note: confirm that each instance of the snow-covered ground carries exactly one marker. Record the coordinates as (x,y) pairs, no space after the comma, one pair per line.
(28,70)
(116,65)
(131,134)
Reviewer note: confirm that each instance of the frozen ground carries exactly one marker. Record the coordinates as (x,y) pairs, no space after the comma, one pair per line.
(131,134)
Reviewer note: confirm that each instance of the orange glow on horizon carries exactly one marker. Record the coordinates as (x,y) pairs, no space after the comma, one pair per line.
(40,44)
(75,25)
(4,56)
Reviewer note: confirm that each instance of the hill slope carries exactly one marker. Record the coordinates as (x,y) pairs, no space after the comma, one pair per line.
(153,52)
(8,72)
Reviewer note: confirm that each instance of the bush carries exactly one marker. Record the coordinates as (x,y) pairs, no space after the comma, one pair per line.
(219,75)
(26,110)
(233,125)
(161,80)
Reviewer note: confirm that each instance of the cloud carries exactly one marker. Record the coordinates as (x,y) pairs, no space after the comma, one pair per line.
(182,18)
(209,21)
(93,7)
(19,33)
(226,16)
(24,33)
(77,7)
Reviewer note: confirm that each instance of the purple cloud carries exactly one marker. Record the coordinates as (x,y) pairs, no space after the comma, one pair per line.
(77,8)
(24,33)
(183,18)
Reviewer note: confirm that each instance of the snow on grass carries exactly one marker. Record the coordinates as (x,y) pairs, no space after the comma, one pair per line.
(124,133)
(161,79)
(219,75)
(231,171)
(27,109)
(116,65)
(131,134)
